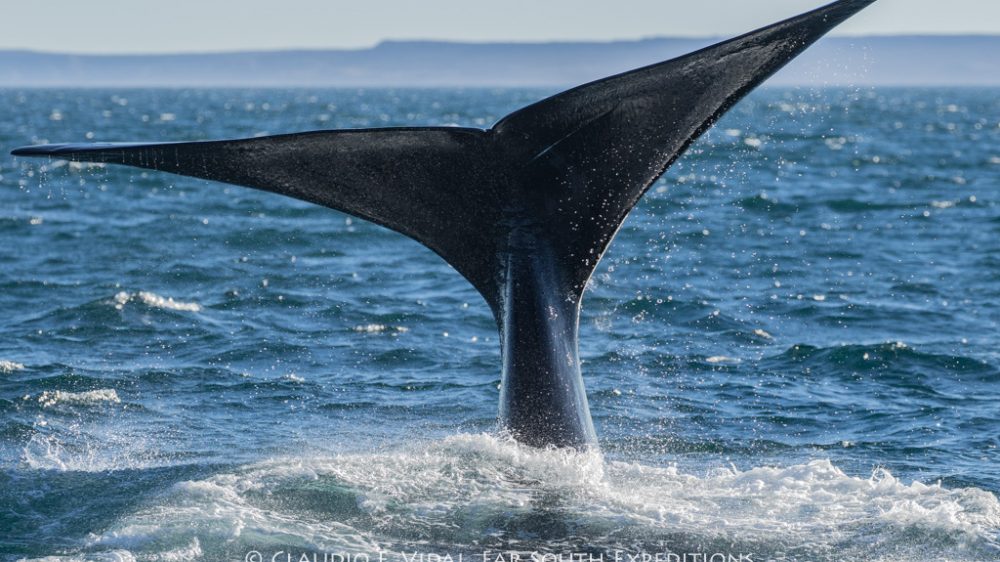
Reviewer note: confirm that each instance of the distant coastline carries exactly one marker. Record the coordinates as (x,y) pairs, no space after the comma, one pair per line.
(934,60)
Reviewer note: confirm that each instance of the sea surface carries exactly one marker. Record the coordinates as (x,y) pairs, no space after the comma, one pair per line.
(791,349)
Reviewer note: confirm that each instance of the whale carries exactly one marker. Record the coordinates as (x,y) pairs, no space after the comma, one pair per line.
(524,210)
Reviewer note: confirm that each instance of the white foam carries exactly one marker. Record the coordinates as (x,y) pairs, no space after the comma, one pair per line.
(86,447)
(7,367)
(804,503)
(77,166)
(459,488)
(379,328)
(73,166)
(107,556)
(153,300)
(722,359)
(51,398)
(943,204)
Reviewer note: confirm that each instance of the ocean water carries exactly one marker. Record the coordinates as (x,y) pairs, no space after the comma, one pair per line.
(791,348)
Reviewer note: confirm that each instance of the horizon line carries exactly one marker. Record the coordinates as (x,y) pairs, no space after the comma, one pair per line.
(382,42)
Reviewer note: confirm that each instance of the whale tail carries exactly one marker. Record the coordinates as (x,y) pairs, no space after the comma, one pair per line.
(576,162)
(524,210)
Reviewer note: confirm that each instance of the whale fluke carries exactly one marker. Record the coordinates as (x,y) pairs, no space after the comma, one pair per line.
(524,210)
(412,180)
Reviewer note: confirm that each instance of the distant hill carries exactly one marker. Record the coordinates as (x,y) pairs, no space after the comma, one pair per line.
(889,60)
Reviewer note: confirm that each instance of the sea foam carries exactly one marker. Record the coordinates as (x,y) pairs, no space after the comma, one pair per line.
(51,398)
(154,300)
(10,366)
(467,487)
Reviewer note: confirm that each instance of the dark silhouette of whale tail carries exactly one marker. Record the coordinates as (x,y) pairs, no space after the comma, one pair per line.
(524,210)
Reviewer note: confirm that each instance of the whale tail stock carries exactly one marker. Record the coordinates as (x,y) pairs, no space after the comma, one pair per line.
(523,210)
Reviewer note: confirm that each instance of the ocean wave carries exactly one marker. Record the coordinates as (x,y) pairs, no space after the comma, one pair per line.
(765,204)
(886,358)
(153,300)
(495,494)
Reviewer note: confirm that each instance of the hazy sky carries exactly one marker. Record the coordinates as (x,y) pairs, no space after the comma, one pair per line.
(142,26)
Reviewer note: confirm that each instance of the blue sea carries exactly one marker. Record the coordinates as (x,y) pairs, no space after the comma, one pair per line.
(791,348)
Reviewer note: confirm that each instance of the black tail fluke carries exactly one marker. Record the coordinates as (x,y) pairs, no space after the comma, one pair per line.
(427,183)
(569,167)
(587,155)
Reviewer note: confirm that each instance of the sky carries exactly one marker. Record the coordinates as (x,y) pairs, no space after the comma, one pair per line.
(168,26)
